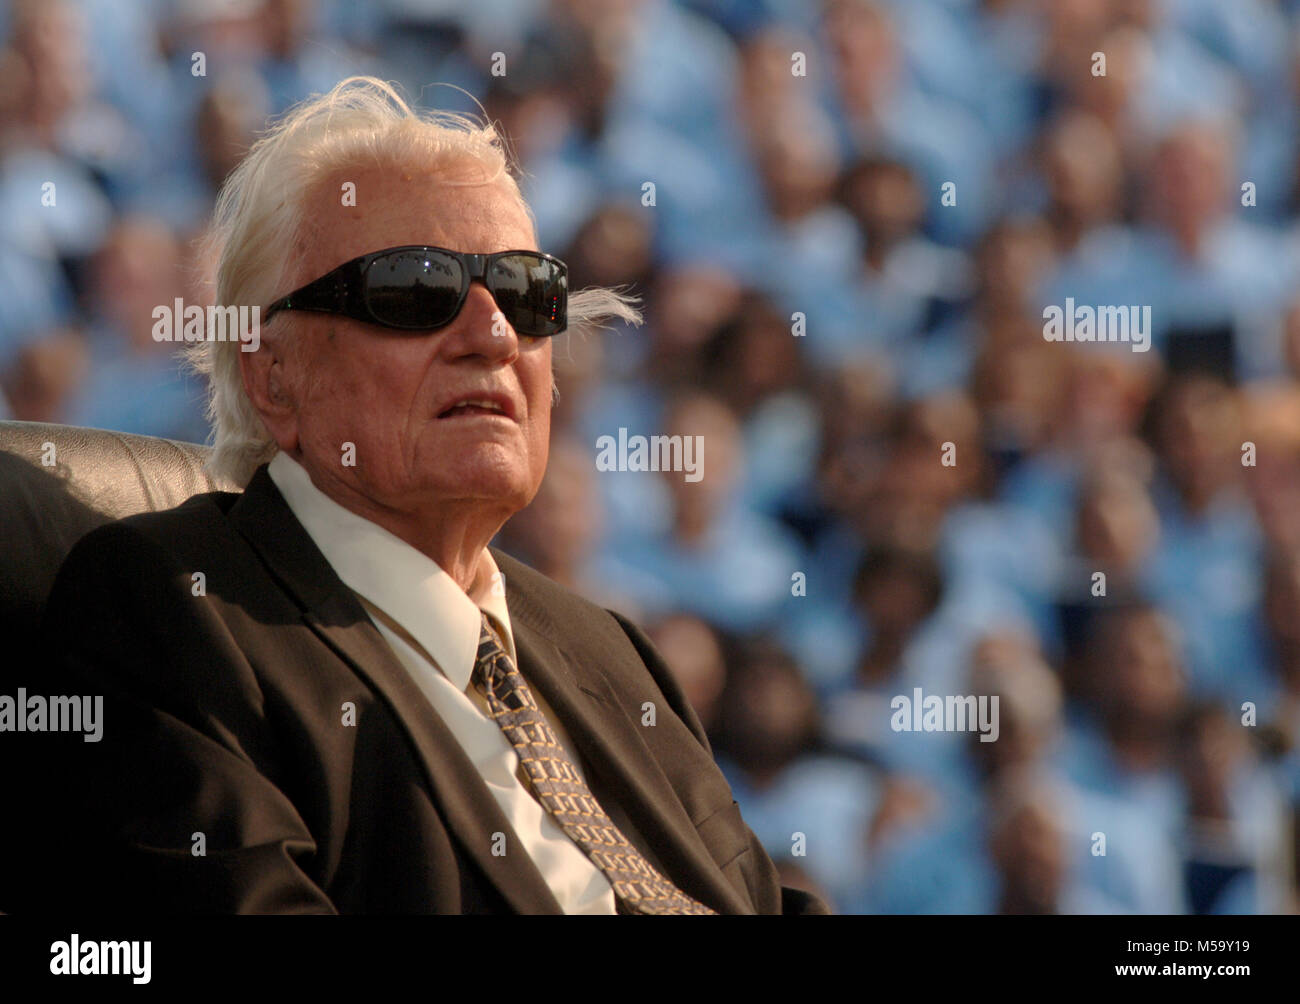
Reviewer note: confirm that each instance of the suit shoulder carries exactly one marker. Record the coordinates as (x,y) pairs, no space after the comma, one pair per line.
(585,628)
(192,519)
(195,515)
(147,544)
(562,612)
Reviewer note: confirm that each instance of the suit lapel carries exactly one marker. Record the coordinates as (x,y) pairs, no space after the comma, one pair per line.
(612,745)
(333,612)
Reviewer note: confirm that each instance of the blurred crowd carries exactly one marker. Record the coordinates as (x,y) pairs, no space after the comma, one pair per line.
(857,211)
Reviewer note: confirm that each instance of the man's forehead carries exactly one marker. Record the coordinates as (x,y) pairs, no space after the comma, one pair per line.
(354,212)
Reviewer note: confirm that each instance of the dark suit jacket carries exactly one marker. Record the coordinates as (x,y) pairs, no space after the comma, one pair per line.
(224,717)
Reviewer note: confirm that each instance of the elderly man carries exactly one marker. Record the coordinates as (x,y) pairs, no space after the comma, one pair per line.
(328,693)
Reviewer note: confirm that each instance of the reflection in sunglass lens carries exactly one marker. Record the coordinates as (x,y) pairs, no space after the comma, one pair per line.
(531,293)
(414,289)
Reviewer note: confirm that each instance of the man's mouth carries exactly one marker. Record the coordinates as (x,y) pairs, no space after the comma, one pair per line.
(475,406)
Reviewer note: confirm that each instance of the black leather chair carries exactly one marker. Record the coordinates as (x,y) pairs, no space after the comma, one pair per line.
(59,482)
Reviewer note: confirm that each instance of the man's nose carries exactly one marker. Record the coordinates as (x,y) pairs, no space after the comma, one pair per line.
(480,328)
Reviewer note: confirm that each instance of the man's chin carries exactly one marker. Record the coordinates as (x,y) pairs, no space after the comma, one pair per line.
(491,487)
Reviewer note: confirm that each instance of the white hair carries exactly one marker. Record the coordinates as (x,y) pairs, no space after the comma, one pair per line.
(259,216)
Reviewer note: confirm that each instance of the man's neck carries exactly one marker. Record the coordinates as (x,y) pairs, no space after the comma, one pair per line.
(454,534)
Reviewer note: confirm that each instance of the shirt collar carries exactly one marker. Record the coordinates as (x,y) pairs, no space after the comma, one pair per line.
(404,583)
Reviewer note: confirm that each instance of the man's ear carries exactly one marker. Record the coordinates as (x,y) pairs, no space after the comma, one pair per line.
(269,383)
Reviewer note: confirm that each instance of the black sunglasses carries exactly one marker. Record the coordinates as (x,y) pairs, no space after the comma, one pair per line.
(417,288)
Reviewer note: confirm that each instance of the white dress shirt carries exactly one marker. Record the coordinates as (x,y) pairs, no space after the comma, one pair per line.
(405,589)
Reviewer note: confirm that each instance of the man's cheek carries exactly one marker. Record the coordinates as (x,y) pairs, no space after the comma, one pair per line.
(541,449)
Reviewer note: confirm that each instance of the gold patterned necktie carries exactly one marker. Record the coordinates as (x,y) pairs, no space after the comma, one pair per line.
(562,792)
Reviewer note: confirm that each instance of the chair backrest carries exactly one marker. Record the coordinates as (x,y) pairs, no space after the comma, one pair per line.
(59,482)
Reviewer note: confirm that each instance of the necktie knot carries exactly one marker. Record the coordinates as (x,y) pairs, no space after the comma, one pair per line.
(489,646)
(493,668)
